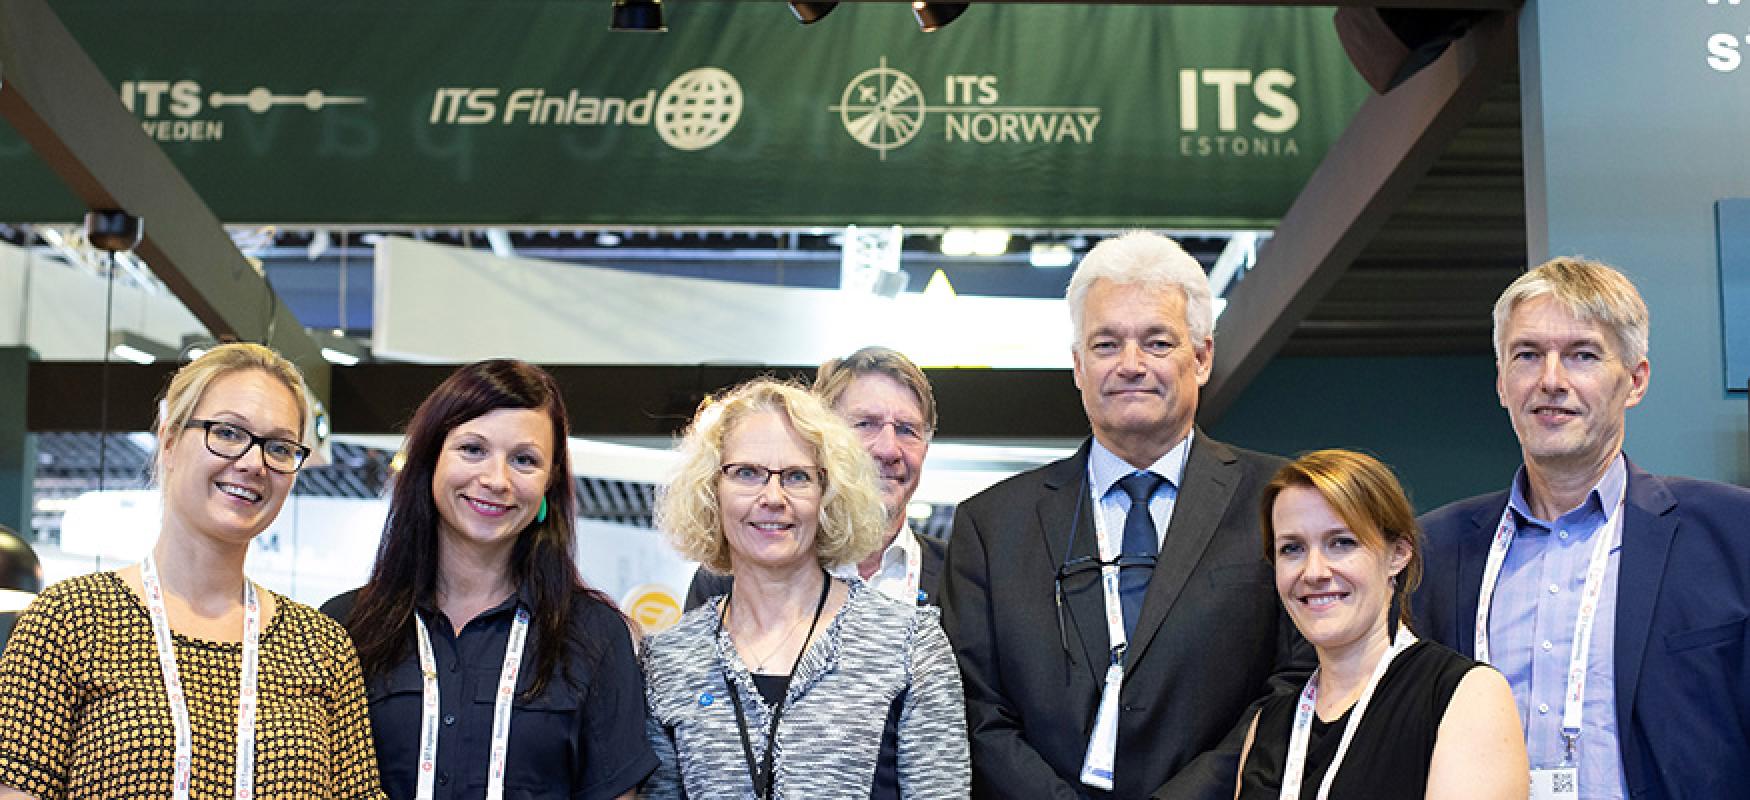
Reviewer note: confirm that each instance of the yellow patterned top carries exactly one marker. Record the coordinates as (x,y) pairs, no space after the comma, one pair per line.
(83,712)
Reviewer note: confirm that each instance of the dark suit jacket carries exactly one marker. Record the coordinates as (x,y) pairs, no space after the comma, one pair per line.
(1211,640)
(1682,605)
(706,585)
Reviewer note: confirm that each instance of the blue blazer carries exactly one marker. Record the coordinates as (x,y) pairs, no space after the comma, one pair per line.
(1682,616)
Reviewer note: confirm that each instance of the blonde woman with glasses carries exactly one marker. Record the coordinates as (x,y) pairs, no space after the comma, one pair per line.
(796,684)
(178,677)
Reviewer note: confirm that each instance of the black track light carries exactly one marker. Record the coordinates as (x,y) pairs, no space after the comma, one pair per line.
(638,15)
(932,16)
(810,13)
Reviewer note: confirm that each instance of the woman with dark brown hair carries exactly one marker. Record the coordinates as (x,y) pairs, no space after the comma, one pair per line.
(491,669)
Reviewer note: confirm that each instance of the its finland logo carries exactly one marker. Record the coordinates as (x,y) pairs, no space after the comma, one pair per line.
(883,109)
(694,111)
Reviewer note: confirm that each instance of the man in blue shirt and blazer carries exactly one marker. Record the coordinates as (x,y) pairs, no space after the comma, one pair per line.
(1650,574)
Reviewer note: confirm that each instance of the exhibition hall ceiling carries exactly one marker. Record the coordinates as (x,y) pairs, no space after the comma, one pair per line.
(732,164)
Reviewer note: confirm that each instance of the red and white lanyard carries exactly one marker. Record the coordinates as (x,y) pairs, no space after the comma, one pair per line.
(914,568)
(1294,766)
(428,721)
(1590,593)
(247,699)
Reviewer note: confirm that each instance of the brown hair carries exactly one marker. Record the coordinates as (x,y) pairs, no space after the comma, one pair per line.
(1368,498)
(835,377)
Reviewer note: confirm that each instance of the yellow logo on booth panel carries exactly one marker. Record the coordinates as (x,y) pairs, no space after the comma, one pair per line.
(653,606)
(698,108)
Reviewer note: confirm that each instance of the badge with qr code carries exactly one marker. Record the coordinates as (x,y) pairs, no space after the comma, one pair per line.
(1555,783)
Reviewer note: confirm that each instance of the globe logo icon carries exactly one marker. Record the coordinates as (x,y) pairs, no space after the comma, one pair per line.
(698,108)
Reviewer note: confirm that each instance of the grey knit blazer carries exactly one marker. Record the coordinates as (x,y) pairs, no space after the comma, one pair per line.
(830,736)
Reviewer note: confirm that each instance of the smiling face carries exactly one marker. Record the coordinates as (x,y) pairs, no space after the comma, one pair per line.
(1566,387)
(490,477)
(1336,589)
(1138,369)
(890,420)
(768,527)
(229,499)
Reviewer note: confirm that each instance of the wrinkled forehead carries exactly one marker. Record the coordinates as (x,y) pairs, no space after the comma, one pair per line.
(880,395)
(1553,319)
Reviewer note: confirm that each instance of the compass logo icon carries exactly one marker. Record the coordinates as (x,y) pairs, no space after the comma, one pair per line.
(882,108)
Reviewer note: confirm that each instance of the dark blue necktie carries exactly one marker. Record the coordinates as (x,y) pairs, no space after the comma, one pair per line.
(1140,539)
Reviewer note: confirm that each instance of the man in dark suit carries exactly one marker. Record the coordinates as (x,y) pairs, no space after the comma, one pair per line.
(889,402)
(1650,574)
(1024,602)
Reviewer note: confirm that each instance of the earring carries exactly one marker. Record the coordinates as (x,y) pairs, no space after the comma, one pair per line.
(541,516)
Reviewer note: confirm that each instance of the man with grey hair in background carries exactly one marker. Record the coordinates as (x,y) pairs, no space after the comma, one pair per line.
(1616,602)
(888,401)
(1113,613)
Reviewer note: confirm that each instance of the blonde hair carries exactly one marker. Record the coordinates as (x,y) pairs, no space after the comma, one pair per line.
(852,517)
(190,383)
(1368,498)
(1591,291)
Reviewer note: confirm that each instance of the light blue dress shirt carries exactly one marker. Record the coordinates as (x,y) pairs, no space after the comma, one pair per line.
(1531,631)
(1107,469)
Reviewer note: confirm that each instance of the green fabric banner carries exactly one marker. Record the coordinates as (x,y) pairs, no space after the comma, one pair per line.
(520,112)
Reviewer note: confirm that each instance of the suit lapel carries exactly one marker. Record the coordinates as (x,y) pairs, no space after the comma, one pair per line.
(1211,474)
(929,569)
(1648,526)
(1473,557)
(1064,508)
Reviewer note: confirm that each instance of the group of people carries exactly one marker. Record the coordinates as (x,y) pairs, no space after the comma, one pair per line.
(1160,615)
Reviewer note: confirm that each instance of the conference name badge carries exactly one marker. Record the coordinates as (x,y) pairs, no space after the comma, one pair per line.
(1555,783)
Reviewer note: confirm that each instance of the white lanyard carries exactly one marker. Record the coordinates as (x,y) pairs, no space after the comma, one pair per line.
(1102,750)
(1590,593)
(428,721)
(247,699)
(1294,766)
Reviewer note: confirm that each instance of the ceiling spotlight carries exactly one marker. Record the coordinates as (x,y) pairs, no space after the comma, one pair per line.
(975,242)
(810,13)
(638,15)
(932,16)
(130,346)
(1050,255)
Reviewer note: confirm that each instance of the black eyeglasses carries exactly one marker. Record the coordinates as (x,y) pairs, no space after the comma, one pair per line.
(230,440)
(1089,564)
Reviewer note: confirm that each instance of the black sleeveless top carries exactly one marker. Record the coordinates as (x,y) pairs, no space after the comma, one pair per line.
(1389,756)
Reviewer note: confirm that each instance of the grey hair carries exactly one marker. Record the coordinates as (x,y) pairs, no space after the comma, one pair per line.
(1591,291)
(1152,261)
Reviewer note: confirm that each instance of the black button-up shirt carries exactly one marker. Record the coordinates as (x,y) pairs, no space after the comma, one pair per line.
(578,739)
